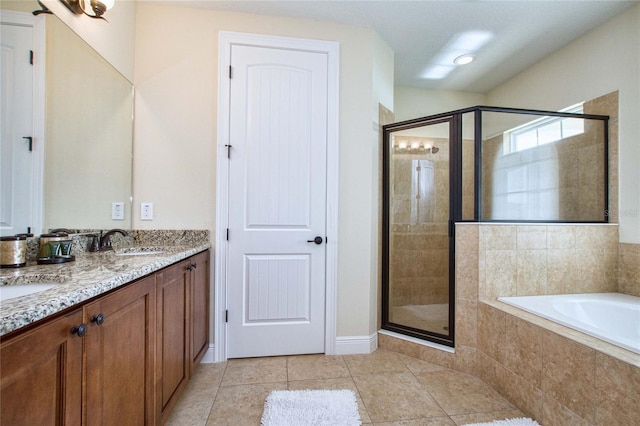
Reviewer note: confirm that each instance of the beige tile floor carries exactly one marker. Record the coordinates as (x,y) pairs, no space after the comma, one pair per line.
(391,388)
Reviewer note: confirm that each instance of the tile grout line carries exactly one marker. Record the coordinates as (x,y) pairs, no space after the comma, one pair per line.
(226,365)
(357,388)
(426,389)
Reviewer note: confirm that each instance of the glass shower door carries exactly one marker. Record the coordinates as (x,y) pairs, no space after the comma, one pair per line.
(416,267)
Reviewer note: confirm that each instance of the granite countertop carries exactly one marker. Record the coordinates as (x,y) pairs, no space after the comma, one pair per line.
(90,275)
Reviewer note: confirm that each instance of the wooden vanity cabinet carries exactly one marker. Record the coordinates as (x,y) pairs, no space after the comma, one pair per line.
(121,359)
(41,375)
(182,327)
(172,333)
(198,309)
(120,355)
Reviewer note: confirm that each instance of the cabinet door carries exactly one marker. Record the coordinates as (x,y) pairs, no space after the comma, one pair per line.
(172,335)
(41,375)
(198,309)
(120,344)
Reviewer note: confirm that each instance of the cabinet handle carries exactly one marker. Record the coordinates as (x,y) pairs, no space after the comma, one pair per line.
(98,319)
(80,330)
(194,265)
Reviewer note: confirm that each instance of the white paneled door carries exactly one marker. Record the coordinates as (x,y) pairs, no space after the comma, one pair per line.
(16,147)
(277,202)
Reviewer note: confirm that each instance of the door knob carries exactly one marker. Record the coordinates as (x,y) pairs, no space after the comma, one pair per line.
(318,240)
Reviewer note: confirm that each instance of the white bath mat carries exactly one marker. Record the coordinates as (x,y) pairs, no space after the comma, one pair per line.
(311,408)
(522,421)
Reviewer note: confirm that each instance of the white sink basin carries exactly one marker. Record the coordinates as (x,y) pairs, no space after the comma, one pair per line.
(12,291)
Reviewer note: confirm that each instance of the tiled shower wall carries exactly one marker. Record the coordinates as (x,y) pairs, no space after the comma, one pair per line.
(629,269)
(526,260)
(420,259)
(419,272)
(580,168)
(419,265)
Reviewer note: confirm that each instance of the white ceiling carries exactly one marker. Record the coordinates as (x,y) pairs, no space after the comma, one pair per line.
(522,32)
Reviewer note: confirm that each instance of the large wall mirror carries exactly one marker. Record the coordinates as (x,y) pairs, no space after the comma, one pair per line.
(88,133)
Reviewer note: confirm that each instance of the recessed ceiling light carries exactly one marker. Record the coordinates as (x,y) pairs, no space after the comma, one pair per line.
(464,59)
(460,50)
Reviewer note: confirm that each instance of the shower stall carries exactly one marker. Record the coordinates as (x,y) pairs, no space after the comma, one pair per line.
(477,164)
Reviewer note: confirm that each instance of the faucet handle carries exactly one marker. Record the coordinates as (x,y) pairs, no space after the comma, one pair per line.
(95,242)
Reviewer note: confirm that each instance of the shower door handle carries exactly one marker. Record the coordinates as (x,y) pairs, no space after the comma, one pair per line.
(318,240)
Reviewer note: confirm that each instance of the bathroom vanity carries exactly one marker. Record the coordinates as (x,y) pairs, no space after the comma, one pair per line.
(114,342)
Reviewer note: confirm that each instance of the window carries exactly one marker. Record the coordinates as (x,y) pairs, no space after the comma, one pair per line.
(545,130)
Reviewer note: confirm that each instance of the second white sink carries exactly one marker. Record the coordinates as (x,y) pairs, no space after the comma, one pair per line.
(12,291)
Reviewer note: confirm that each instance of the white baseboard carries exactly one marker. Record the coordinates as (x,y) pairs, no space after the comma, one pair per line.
(352,345)
(209,355)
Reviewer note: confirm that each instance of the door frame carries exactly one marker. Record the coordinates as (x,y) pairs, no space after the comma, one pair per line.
(332,49)
(38,23)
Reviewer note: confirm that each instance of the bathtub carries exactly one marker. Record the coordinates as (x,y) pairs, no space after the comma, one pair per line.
(612,317)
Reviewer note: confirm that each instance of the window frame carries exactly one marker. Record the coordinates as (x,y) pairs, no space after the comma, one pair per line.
(511,135)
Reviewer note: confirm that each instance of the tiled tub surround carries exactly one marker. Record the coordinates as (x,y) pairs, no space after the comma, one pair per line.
(92,274)
(528,259)
(555,374)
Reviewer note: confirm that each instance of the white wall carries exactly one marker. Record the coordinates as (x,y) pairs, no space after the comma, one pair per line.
(175,132)
(412,102)
(383,93)
(113,39)
(602,61)
(18,6)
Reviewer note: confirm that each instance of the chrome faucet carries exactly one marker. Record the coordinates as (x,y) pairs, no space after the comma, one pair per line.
(103,242)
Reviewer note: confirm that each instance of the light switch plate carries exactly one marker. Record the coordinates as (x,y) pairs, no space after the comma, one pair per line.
(117,211)
(146,211)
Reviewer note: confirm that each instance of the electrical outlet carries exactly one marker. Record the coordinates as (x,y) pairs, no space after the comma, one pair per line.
(117,211)
(146,211)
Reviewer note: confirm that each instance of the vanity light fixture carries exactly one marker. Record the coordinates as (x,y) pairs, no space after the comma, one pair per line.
(43,9)
(91,8)
(415,147)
